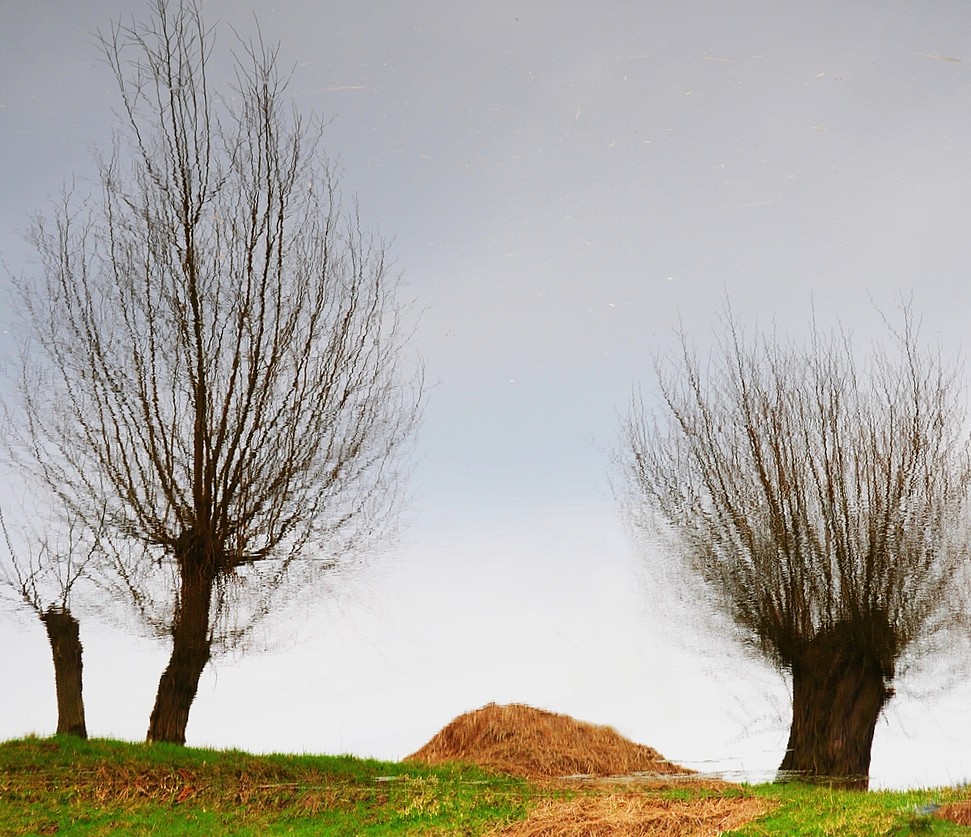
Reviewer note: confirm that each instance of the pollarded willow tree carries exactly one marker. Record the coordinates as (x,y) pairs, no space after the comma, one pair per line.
(39,572)
(216,350)
(821,500)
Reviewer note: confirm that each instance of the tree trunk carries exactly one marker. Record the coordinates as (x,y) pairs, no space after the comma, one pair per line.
(190,654)
(63,632)
(838,693)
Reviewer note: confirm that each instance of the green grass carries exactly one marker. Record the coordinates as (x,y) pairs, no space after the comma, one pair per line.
(66,786)
(814,811)
(63,786)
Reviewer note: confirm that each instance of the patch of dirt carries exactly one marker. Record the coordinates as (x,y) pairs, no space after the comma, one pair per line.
(537,744)
(959,812)
(637,815)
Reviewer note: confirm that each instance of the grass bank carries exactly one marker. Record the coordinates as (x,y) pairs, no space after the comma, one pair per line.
(813,811)
(64,786)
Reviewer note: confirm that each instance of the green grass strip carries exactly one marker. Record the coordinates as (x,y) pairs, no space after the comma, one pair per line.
(815,811)
(62,785)
(66,786)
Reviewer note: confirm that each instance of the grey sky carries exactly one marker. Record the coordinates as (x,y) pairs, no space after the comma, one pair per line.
(562,182)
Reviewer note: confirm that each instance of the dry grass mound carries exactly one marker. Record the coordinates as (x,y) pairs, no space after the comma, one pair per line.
(637,815)
(534,744)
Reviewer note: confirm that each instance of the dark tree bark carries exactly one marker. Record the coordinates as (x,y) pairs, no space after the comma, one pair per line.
(191,650)
(64,634)
(838,692)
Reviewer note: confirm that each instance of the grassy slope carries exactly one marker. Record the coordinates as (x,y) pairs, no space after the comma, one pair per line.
(65,786)
(62,785)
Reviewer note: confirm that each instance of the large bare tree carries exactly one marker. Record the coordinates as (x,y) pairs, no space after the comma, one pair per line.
(820,497)
(215,349)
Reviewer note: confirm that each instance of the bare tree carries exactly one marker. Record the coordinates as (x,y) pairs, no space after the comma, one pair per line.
(40,572)
(820,498)
(221,343)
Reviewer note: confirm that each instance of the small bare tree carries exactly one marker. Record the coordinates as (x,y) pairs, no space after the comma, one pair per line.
(821,500)
(40,572)
(222,344)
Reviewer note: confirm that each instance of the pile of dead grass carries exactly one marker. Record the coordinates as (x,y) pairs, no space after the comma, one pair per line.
(537,744)
(542,746)
(637,815)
